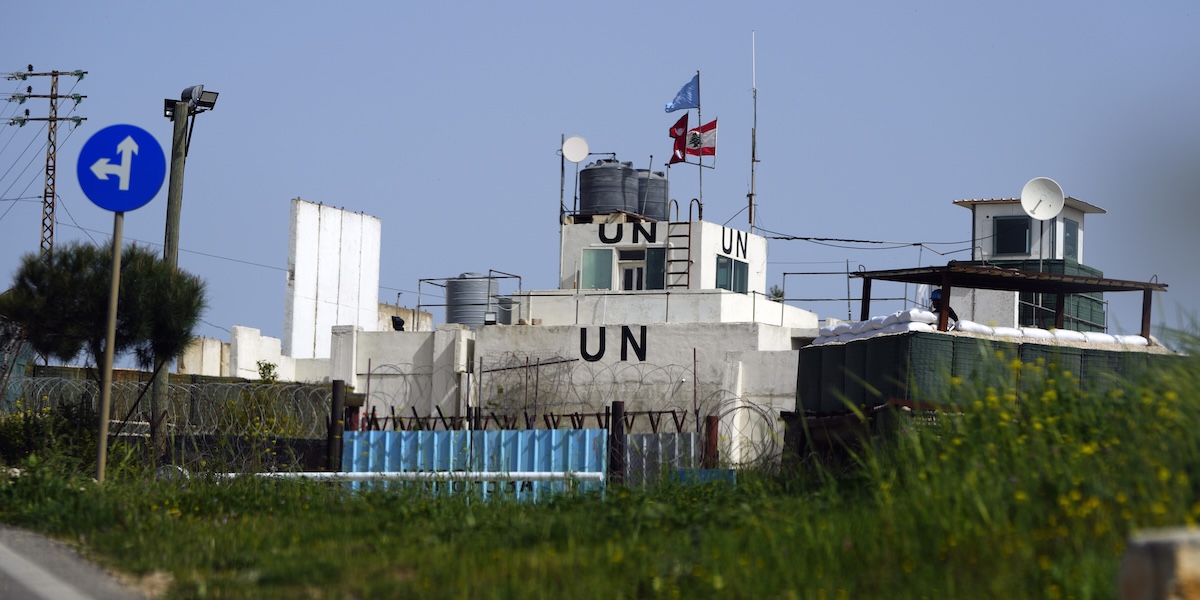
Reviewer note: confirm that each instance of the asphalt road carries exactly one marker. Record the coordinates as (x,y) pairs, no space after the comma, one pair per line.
(33,567)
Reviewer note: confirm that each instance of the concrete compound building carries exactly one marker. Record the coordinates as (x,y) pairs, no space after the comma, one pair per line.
(663,315)
(671,316)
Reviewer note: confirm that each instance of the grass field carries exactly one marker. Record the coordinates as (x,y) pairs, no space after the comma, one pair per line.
(1029,492)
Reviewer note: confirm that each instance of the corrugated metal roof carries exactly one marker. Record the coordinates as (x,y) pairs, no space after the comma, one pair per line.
(997,278)
(1075,203)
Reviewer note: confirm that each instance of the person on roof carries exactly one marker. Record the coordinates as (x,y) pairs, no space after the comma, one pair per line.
(935,304)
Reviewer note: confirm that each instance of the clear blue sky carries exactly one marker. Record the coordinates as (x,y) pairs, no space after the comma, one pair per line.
(443,119)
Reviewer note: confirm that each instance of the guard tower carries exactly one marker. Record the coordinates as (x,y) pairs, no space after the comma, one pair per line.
(1006,234)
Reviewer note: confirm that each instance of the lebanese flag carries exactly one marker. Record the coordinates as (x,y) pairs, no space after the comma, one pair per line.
(703,141)
(680,127)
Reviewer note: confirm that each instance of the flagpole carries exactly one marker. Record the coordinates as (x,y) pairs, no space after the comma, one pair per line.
(700,159)
(562,207)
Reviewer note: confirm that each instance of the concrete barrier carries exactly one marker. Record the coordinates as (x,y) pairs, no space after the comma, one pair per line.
(1161,564)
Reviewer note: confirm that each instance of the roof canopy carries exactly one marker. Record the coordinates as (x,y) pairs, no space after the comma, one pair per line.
(997,278)
(1075,203)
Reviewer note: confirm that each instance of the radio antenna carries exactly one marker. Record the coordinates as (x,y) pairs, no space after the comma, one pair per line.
(753,131)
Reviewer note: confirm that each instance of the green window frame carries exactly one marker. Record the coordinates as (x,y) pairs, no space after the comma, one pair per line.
(1071,240)
(732,275)
(597,270)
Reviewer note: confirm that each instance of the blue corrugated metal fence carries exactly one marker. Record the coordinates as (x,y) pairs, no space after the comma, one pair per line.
(508,451)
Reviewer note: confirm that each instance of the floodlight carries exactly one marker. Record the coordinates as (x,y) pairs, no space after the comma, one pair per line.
(198,98)
(208,99)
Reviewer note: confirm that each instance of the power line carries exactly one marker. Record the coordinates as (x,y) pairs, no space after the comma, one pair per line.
(217,256)
(786,237)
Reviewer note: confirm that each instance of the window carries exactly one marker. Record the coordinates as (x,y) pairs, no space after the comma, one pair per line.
(642,269)
(597,269)
(633,278)
(732,275)
(1011,235)
(1071,240)
(656,268)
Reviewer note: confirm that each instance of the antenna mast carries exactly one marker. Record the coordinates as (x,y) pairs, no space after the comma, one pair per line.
(753,131)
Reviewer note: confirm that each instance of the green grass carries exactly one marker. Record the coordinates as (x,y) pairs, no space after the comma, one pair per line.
(1030,492)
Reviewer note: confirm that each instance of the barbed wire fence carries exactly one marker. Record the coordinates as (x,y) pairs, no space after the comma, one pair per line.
(286,410)
(545,390)
(238,426)
(510,390)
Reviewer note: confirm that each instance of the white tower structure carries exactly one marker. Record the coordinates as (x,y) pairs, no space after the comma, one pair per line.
(333,276)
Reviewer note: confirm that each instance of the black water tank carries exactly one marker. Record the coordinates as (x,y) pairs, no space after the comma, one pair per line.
(607,186)
(652,195)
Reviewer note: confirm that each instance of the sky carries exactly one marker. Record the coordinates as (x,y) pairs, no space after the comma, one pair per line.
(445,120)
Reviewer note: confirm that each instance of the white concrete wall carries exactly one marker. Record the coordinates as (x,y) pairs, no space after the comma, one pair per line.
(995,308)
(708,240)
(413,320)
(311,370)
(763,384)
(576,237)
(711,240)
(650,367)
(567,307)
(402,370)
(710,368)
(248,345)
(205,356)
(333,276)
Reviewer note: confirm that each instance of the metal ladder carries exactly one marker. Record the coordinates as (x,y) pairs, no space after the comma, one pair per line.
(679,257)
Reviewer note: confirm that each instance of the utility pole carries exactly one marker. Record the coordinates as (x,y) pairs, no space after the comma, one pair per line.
(48,193)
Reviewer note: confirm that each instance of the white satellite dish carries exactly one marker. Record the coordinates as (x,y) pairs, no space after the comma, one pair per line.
(575,149)
(1042,198)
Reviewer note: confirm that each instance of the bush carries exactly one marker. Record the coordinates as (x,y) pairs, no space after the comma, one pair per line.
(68,429)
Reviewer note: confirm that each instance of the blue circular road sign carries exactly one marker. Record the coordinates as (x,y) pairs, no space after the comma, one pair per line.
(121,168)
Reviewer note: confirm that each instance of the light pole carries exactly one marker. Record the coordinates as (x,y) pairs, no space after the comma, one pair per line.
(193,101)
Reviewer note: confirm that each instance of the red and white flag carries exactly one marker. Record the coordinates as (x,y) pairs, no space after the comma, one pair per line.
(680,127)
(703,141)
(679,132)
(679,152)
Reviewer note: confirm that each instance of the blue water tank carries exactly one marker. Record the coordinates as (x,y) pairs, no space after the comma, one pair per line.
(607,186)
(652,195)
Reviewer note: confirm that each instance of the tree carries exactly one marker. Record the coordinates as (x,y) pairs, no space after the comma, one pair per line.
(61,302)
(775,293)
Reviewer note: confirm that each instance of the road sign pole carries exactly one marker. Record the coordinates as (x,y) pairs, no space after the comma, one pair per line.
(110,338)
(117,186)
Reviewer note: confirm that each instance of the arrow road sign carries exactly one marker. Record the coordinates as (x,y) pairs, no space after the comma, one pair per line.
(121,168)
(103,169)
